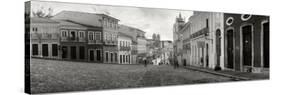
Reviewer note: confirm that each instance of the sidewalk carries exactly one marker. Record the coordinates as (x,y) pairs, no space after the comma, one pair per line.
(232,74)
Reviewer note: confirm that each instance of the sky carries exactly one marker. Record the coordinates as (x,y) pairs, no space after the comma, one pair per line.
(150,20)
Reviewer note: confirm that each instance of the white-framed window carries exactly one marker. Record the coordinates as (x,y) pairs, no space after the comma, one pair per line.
(97,36)
(81,34)
(64,33)
(91,35)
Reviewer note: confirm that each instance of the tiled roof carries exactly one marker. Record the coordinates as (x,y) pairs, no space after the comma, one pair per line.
(124,35)
(42,20)
(91,19)
(69,23)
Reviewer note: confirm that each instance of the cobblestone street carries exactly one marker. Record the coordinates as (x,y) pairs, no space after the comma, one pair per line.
(59,76)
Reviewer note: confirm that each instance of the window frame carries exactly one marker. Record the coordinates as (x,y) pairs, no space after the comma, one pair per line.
(97,35)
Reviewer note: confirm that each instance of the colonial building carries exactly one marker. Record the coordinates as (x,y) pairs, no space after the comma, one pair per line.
(100,36)
(138,42)
(44,38)
(246,42)
(124,48)
(198,42)
(206,41)
(186,49)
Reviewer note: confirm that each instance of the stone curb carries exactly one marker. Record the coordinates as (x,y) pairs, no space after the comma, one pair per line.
(217,73)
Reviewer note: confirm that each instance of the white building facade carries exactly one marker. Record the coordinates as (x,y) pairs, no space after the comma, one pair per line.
(124,48)
(206,42)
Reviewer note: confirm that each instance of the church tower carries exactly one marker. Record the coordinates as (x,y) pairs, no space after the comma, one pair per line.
(179,24)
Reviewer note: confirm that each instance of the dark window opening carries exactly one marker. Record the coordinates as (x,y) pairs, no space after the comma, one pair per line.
(111,57)
(34,49)
(106,56)
(230,49)
(98,55)
(72,35)
(82,52)
(45,51)
(91,55)
(54,49)
(266,45)
(116,57)
(64,52)
(207,23)
(73,52)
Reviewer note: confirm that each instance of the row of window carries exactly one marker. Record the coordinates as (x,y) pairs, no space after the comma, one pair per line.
(113,57)
(45,49)
(110,36)
(110,24)
(72,33)
(124,43)
(94,35)
(73,52)
(125,59)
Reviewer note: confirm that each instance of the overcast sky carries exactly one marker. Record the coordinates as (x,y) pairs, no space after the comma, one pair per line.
(150,20)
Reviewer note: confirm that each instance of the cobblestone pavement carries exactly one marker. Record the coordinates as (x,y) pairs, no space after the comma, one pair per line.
(58,76)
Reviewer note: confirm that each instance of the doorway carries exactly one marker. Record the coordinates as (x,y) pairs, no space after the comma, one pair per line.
(230,49)
(64,52)
(91,55)
(266,45)
(247,45)
(73,52)
(45,51)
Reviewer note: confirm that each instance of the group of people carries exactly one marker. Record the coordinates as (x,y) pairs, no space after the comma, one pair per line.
(175,63)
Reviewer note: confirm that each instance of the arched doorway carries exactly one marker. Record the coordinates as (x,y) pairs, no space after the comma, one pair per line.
(230,48)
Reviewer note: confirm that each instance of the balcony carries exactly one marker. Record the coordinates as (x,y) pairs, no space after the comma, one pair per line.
(124,48)
(94,41)
(72,39)
(110,42)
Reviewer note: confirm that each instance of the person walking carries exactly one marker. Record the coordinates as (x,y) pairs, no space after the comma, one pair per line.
(145,62)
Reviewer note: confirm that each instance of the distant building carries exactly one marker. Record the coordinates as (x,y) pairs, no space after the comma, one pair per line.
(166,51)
(124,48)
(138,41)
